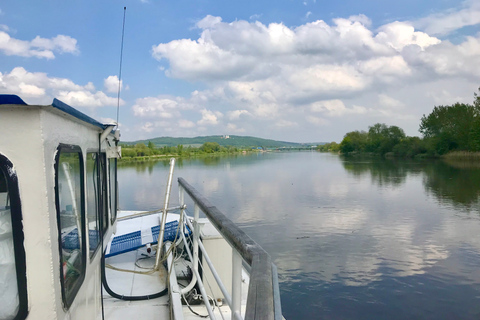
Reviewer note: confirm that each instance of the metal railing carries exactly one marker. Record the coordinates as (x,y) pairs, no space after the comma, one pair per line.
(263,299)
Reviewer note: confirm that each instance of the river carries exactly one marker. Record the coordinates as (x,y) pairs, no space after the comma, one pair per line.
(352,238)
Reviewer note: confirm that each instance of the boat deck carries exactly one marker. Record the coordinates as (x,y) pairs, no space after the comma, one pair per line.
(134,284)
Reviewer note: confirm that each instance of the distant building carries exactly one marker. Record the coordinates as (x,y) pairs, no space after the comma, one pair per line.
(226,137)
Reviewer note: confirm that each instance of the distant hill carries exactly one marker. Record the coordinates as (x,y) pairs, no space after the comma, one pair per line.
(234,141)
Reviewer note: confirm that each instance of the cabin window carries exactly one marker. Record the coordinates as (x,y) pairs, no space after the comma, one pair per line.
(13,282)
(69,199)
(113,188)
(93,215)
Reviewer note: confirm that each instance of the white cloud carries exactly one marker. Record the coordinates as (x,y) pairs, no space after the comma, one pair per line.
(233,128)
(147,127)
(209,118)
(255,16)
(398,35)
(335,108)
(158,107)
(389,102)
(208,22)
(272,76)
(37,87)
(444,23)
(38,47)
(234,115)
(111,84)
(183,123)
(285,123)
(316,120)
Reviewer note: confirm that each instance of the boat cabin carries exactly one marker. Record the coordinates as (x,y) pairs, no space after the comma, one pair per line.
(57,209)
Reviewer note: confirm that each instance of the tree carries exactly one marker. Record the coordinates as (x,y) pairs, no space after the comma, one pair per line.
(354,141)
(451,127)
(210,147)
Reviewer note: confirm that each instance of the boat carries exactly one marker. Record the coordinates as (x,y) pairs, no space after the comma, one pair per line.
(68,252)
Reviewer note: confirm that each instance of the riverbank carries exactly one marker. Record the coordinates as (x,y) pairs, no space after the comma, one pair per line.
(181,156)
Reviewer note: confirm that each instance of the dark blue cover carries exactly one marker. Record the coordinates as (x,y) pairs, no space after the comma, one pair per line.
(11,99)
(77,114)
(14,99)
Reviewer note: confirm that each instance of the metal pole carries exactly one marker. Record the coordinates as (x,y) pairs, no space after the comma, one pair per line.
(236,284)
(222,287)
(200,283)
(163,217)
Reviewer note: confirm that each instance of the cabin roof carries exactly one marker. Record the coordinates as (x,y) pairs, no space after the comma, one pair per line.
(11,99)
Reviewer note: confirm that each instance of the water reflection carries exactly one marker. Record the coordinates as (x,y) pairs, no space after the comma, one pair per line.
(352,239)
(454,183)
(382,171)
(451,183)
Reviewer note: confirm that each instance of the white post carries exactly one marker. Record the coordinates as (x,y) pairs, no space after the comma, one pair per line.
(196,234)
(236,284)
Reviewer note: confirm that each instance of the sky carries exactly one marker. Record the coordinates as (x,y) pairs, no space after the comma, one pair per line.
(300,71)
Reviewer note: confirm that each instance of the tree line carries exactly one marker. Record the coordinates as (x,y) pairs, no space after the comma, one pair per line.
(142,151)
(446,129)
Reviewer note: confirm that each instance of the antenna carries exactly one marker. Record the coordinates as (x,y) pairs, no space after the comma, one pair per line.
(120,72)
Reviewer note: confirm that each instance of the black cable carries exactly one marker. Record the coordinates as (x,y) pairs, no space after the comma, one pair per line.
(128,298)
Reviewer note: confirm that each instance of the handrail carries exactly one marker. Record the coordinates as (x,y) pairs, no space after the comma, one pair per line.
(263,300)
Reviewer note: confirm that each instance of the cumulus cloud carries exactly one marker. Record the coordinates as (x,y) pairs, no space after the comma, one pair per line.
(234,115)
(335,108)
(38,47)
(111,84)
(209,118)
(38,87)
(233,128)
(314,74)
(444,23)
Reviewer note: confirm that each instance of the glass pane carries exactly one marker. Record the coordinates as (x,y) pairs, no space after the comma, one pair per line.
(103,189)
(113,188)
(70,212)
(9,301)
(92,203)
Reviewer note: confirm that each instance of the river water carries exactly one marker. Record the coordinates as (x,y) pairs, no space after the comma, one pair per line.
(352,238)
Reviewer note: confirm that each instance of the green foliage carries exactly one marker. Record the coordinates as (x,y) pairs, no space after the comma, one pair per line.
(210,147)
(453,127)
(329,147)
(354,141)
(141,152)
(446,129)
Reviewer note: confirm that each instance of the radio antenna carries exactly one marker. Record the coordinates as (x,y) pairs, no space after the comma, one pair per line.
(120,72)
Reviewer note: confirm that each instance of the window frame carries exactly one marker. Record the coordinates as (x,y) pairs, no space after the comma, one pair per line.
(113,189)
(97,202)
(18,236)
(67,148)
(103,192)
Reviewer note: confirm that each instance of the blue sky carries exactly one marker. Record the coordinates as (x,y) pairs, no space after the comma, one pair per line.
(303,71)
